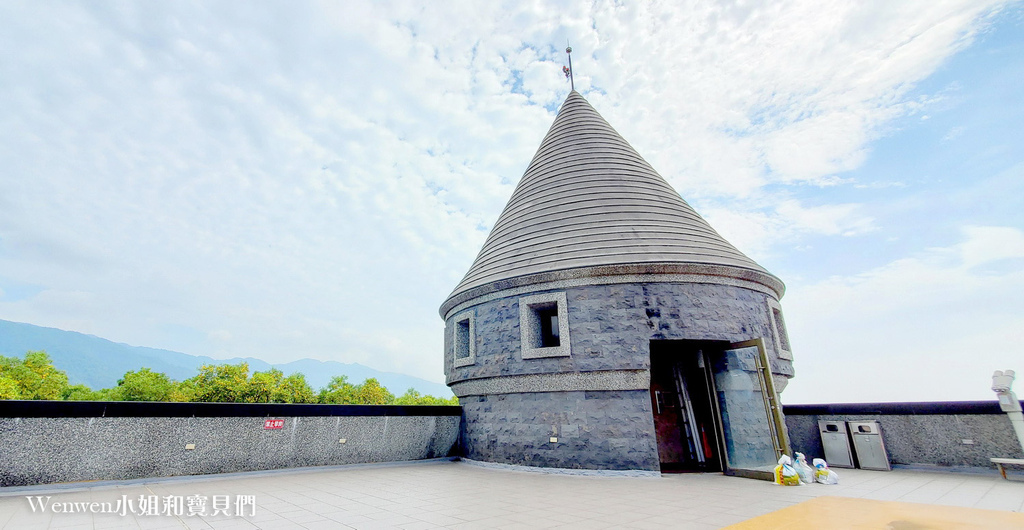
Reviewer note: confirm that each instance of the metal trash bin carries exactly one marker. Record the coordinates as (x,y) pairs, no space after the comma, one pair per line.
(836,443)
(869,446)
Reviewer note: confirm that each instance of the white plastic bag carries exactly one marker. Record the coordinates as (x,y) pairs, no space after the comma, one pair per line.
(823,474)
(803,469)
(785,475)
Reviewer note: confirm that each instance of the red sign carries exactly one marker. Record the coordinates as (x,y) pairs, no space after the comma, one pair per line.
(273,424)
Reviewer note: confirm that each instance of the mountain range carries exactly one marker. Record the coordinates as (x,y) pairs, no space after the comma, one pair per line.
(99,363)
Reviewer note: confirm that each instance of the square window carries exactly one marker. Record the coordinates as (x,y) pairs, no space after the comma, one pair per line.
(547,314)
(779,330)
(544,326)
(464,339)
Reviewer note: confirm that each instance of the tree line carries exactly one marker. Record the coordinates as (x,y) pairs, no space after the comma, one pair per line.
(35,377)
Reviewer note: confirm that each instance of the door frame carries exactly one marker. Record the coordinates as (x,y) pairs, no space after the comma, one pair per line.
(779,434)
(700,348)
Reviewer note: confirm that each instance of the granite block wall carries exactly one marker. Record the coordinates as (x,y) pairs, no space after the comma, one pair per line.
(594,430)
(43,450)
(611,327)
(929,439)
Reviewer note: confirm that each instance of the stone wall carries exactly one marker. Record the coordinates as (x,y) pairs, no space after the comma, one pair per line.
(600,393)
(611,327)
(48,442)
(593,430)
(916,434)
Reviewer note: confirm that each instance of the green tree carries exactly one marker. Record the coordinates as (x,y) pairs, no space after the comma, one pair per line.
(220,383)
(339,391)
(263,386)
(183,392)
(372,393)
(84,393)
(413,397)
(294,389)
(273,387)
(35,375)
(77,392)
(410,397)
(144,385)
(9,388)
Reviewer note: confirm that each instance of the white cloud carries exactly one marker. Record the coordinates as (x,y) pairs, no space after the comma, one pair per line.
(311,180)
(929,327)
(830,180)
(988,245)
(798,89)
(759,231)
(953,134)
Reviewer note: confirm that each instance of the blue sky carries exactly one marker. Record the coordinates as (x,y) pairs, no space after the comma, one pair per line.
(941,165)
(312,180)
(941,181)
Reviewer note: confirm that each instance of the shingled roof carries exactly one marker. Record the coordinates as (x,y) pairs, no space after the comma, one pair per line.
(587,200)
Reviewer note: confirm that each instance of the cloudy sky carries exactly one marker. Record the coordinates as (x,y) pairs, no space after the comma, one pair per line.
(302,179)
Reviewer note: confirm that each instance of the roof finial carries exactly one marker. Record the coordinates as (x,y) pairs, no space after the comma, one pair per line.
(568,70)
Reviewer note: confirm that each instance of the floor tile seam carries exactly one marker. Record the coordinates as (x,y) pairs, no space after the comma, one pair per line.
(388,515)
(933,496)
(901,494)
(951,484)
(893,486)
(981,496)
(881,482)
(355,516)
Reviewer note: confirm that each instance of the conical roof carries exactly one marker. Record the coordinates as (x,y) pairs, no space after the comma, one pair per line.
(587,200)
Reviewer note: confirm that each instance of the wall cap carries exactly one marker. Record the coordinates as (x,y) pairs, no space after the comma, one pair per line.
(163,409)
(895,408)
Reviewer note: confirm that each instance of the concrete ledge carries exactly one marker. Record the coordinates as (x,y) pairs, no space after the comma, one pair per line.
(908,408)
(613,274)
(563,471)
(607,380)
(160,409)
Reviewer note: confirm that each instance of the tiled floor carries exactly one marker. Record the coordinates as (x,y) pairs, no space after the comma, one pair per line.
(448,494)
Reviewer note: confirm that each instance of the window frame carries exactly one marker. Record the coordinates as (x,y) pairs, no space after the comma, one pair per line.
(530,326)
(457,321)
(779,330)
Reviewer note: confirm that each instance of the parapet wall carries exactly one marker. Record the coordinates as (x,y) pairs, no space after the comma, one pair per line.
(947,434)
(43,442)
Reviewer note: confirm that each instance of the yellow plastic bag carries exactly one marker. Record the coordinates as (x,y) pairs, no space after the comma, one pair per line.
(785,475)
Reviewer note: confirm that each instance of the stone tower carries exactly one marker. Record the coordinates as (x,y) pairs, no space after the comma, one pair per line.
(605,325)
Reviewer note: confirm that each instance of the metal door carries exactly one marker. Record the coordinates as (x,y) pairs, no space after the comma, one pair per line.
(751,422)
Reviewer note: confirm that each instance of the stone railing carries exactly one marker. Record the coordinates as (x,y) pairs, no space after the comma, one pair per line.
(43,442)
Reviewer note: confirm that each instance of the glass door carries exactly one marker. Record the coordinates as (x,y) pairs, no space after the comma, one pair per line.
(753,433)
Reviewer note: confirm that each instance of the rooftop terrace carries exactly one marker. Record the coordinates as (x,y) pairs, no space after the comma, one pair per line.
(443,493)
